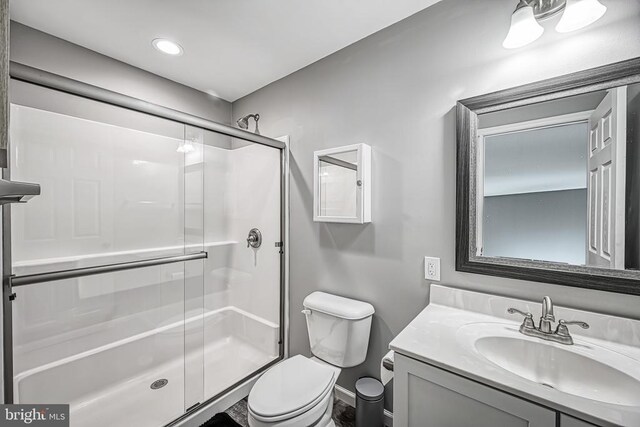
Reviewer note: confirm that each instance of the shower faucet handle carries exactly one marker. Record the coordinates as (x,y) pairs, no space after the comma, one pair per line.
(254,239)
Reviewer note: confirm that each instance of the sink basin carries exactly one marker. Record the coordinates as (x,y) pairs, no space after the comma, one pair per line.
(583,369)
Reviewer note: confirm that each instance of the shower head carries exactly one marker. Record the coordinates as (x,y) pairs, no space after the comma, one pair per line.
(243,122)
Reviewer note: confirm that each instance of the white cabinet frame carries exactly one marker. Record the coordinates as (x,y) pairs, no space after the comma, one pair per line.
(363,191)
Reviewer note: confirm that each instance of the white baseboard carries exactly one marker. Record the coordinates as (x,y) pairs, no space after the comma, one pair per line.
(349,398)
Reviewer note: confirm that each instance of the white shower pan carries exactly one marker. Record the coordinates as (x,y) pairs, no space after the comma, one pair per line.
(110,385)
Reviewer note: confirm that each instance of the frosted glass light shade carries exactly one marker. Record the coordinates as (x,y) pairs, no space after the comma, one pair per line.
(580,13)
(524,28)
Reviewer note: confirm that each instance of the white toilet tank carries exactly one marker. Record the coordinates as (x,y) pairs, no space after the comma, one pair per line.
(338,328)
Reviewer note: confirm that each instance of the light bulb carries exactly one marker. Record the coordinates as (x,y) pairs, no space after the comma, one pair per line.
(580,13)
(524,28)
(167,46)
(187,147)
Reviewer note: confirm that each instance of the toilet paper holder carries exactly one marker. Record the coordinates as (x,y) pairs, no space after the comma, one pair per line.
(388,364)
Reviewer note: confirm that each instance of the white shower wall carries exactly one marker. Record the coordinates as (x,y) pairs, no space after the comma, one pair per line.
(254,189)
(106,190)
(242,191)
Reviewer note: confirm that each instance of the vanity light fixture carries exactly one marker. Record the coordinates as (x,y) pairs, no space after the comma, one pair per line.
(579,14)
(525,28)
(167,46)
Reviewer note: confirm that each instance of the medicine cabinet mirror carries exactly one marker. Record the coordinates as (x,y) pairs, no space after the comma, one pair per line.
(342,184)
(549,181)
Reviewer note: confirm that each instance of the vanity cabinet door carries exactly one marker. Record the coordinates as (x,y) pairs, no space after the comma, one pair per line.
(426,396)
(567,421)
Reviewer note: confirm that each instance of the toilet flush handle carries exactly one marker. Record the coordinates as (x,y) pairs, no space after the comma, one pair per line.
(306,312)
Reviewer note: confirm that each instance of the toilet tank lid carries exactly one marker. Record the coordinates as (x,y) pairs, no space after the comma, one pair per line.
(344,308)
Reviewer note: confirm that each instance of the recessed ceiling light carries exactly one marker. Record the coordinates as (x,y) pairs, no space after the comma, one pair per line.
(167,46)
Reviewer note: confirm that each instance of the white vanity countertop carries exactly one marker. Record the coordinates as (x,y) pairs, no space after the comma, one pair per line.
(433,337)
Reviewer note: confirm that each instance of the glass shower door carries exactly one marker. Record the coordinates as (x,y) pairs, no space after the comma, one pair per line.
(242,192)
(197,310)
(193,151)
(115,190)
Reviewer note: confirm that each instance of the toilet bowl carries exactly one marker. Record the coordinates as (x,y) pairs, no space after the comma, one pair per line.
(295,392)
(298,391)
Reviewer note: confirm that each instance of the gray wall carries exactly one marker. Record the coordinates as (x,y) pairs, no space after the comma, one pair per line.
(41,50)
(548,226)
(396,90)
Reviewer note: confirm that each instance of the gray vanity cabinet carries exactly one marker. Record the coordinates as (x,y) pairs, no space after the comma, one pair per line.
(426,396)
(567,421)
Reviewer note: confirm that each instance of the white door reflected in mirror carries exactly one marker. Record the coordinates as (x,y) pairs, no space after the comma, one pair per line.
(556,181)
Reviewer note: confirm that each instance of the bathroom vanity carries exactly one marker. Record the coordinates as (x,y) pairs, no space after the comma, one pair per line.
(463,361)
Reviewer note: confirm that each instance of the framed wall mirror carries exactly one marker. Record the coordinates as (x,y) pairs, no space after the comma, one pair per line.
(548,181)
(342,184)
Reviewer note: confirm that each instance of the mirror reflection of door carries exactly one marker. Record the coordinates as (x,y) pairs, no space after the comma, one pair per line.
(551,181)
(535,190)
(606,184)
(558,182)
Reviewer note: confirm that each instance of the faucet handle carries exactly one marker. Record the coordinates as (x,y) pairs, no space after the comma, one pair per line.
(527,323)
(515,310)
(563,330)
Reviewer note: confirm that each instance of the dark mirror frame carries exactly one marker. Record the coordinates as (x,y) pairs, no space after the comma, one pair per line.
(601,78)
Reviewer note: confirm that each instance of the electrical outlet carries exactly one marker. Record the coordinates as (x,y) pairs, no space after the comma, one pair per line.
(432,268)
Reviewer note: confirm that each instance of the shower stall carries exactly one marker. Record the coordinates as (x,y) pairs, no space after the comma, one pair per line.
(132,290)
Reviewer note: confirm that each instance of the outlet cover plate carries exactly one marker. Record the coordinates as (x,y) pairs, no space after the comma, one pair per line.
(432,268)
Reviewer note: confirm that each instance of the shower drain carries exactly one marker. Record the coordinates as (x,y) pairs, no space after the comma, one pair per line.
(159,383)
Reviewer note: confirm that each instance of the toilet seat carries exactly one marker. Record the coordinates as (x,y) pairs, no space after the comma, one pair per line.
(290,388)
(317,416)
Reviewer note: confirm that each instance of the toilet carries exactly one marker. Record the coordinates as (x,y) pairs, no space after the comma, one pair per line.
(299,391)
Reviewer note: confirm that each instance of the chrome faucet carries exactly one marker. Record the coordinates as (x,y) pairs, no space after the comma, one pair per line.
(547,318)
(544,330)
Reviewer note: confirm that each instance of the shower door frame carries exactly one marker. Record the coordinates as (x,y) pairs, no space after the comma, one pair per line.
(27,74)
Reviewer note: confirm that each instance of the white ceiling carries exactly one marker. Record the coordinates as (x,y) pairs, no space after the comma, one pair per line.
(231,47)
